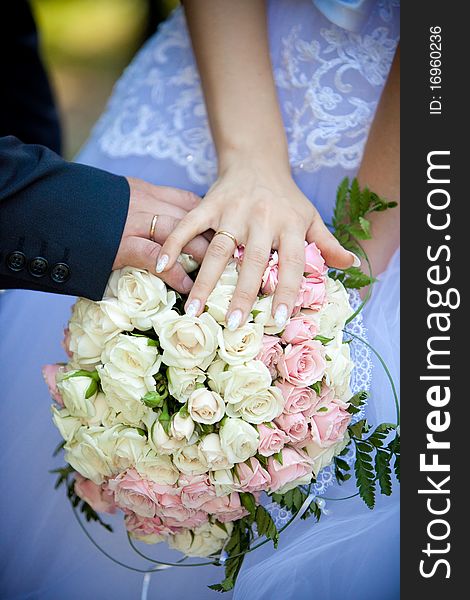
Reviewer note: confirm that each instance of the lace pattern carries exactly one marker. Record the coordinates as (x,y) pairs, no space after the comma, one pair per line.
(329,81)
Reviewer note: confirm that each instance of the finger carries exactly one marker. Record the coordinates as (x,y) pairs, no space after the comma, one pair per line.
(164,226)
(193,224)
(218,254)
(177,197)
(291,268)
(255,260)
(141,253)
(332,251)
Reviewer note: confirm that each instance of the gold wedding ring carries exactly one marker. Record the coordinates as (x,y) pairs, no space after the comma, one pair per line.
(229,235)
(152,227)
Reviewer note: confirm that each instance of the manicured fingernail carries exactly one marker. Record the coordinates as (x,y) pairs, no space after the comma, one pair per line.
(162,263)
(357,260)
(193,308)
(280,316)
(234,320)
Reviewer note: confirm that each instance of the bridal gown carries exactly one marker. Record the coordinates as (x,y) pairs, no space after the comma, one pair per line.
(329,81)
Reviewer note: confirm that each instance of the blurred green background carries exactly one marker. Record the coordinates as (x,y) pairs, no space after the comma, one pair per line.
(85,45)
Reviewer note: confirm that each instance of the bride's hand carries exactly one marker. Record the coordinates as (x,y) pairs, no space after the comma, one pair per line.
(262,208)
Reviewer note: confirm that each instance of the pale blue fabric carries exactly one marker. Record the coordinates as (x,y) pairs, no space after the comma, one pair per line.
(329,82)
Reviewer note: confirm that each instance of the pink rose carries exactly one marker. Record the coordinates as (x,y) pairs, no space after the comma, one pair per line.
(294,425)
(66,342)
(314,263)
(270,276)
(312,293)
(271,439)
(329,424)
(297,399)
(226,508)
(252,478)
(270,353)
(49,372)
(303,364)
(295,464)
(239,253)
(195,490)
(298,330)
(132,492)
(147,525)
(99,498)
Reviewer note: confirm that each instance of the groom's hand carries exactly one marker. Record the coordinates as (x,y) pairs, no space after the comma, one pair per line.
(136,249)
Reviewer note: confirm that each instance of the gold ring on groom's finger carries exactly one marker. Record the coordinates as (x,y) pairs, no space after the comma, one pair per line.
(152,227)
(229,235)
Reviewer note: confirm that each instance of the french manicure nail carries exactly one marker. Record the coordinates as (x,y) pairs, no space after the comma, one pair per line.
(234,320)
(162,263)
(193,308)
(280,315)
(357,261)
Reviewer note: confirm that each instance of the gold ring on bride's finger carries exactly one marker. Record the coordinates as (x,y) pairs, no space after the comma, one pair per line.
(152,227)
(229,235)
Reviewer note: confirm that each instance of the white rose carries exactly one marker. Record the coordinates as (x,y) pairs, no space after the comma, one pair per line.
(206,407)
(67,424)
(90,453)
(181,428)
(141,295)
(188,342)
(339,368)
(150,538)
(262,314)
(157,468)
(239,440)
(244,381)
(73,391)
(219,300)
(222,481)
(203,541)
(337,310)
(161,442)
(133,355)
(323,457)
(304,480)
(124,392)
(262,407)
(218,376)
(93,324)
(183,382)
(240,346)
(230,274)
(190,460)
(130,447)
(215,457)
(104,414)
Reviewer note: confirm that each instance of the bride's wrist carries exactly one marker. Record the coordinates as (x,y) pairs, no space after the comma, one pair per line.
(262,158)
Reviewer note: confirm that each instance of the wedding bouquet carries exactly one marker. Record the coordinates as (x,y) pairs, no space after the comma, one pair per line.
(182,424)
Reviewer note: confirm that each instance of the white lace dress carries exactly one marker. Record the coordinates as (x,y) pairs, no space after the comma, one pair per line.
(329,81)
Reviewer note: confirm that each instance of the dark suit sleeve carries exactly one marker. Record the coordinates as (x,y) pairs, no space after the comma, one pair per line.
(60,223)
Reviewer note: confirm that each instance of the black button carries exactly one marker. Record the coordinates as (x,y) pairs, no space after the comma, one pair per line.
(60,273)
(38,266)
(16,261)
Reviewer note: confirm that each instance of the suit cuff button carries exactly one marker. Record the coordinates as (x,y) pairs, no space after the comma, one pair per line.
(16,261)
(38,266)
(60,273)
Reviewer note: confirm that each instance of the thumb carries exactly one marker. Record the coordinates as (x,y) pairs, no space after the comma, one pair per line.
(142,253)
(334,254)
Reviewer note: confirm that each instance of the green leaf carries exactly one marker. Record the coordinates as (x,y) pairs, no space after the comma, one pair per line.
(164,417)
(382,468)
(354,201)
(266,525)
(365,478)
(324,340)
(153,400)
(341,199)
(278,457)
(248,501)
(82,373)
(151,342)
(358,429)
(316,387)
(92,389)
(365,225)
